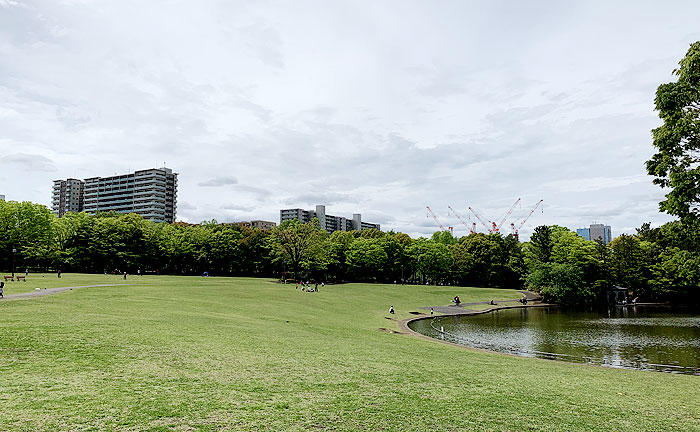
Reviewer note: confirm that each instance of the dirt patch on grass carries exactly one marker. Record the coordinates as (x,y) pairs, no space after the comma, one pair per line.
(386,330)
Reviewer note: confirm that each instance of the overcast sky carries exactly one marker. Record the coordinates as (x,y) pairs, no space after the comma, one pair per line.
(373,107)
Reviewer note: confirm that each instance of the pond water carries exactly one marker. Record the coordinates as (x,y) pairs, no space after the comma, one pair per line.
(633,337)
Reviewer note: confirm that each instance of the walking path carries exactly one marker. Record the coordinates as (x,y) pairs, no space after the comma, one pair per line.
(43,292)
(459,309)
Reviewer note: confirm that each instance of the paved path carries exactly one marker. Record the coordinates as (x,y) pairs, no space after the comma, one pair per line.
(459,310)
(43,292)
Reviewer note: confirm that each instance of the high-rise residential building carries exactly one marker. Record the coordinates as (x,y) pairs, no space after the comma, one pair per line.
(328,222)
(67,196)
(596,232)
(151,193)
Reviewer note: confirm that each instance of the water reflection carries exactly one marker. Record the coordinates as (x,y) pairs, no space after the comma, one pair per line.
(637,337)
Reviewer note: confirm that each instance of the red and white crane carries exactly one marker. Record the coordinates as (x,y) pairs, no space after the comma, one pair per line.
(481,219)
(517,229)
(431,213)
(497,228)
(471,229)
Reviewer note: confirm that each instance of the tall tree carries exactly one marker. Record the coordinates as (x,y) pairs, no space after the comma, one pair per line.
(628,260)
(541,243)
(366,258)
(299,244)
(676,165)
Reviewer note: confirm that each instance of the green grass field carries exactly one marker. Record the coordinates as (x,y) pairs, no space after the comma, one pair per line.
(51,280)
(186,353)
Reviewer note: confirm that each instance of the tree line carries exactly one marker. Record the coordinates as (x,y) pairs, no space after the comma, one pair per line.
(656,264)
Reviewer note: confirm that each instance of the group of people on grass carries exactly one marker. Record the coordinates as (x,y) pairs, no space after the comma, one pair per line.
(306,286)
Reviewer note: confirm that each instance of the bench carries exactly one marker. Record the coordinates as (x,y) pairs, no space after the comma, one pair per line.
(24,278)
(9,277)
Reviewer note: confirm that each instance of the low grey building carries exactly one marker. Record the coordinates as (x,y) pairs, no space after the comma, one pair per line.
(328,222)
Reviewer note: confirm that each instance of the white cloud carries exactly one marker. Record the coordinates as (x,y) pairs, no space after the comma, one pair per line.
(377,108)
(219,181)
(30,163)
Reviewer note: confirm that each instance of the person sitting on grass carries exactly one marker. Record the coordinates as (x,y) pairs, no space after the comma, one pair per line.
(391,309)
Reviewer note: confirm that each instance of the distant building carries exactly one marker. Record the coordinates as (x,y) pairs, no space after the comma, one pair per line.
(328,222)
(2,197)
(596,232)
(151,193)
(584,232)
(601,232)
(260,224)
(67,196)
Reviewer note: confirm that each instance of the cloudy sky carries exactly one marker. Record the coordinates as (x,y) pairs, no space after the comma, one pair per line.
(372,107)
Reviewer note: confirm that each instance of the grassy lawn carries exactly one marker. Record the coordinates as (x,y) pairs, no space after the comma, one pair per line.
(187,353)
(51,280)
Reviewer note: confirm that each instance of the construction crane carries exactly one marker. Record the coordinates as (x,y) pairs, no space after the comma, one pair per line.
(471,229)
(442,228)
(497,228)
(515,229)
(479,217)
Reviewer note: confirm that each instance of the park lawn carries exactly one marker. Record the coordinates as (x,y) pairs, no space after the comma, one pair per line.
(188,353)
(51,280)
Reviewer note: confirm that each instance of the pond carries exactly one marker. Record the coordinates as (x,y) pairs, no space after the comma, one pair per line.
(633,337)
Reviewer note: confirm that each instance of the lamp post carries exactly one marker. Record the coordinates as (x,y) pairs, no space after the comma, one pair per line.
(14,251)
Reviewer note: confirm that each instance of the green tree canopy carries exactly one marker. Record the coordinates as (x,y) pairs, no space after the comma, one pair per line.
(676,165)
(299,244)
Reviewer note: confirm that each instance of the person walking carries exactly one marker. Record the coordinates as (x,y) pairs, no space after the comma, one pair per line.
(124,275)
(59,273)
(26,272)
(391,309)
(2,289)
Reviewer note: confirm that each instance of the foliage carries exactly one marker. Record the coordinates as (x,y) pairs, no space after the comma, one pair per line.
(560,283)
(541,244)
(365,259)
(657,263)
(299,244)
(676,165)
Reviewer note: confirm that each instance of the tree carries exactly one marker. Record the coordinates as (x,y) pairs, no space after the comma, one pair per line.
(444,237)
(541,243)
(299,244)
(628,259)
(433,260)
(677,275)
(366,258)
(26,228)
(560,283)
(676,165)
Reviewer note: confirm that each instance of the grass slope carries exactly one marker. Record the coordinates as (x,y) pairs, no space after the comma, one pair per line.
(51,280)
(186,353)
